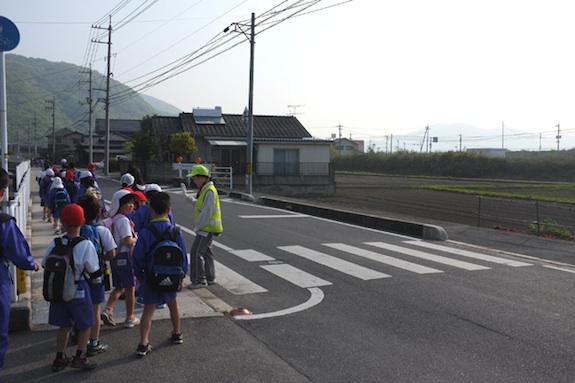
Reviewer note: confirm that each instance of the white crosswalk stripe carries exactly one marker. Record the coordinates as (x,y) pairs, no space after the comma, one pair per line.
(469,254)
(296,276)
(428,256)
(377,257)
(341,265)
(236,283)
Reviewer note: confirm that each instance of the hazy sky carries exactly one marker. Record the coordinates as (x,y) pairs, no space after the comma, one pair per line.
(374,67)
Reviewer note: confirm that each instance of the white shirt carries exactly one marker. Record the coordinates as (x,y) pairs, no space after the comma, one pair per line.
(106,238)
(85,257)
(121,230)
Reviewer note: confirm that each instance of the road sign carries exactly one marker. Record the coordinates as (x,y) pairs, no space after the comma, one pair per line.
(9,35)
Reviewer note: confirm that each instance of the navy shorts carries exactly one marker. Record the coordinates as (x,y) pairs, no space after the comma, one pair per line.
(122,271)
(77,312)
(97,293)
(151,297)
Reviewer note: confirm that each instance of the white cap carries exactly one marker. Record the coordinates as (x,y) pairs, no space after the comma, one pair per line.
(57,183)
(63,161)
(116,200)
(85,174)
(127,179)
(153,187)
(50,172)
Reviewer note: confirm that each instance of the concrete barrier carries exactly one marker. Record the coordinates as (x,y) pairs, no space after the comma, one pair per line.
(410,228)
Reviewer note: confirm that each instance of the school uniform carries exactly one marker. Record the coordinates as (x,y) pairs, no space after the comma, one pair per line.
(13,248)
(45,186)
(146,239)
(78,311)
(121,265)
(97,290)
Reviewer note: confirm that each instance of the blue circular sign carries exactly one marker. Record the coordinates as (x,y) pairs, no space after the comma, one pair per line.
(9,35)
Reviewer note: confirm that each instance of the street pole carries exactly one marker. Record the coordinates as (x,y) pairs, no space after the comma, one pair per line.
(250,138)
(107,151)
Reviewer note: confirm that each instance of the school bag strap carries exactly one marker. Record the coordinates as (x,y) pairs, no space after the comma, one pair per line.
(70,247)
(175,232)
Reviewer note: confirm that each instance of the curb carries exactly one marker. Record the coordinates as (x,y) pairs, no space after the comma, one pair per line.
(416,229)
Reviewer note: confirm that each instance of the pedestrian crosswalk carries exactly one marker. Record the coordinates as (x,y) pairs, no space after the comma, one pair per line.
(414,256)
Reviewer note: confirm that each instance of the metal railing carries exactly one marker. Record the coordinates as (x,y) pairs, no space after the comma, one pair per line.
(18,208)
(222,175)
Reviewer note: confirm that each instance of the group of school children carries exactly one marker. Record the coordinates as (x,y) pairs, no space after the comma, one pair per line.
(139,221)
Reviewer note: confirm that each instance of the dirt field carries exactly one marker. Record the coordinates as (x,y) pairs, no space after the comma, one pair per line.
(403,197)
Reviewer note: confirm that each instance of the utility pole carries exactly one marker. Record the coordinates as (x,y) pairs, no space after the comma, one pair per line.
(460,142)
(558,136)
(502,135)
(90,111)
(108,75)
(51,105)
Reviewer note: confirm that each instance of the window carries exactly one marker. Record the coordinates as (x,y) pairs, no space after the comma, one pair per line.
(286,161)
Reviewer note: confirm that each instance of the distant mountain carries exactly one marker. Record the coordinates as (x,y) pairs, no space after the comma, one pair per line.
(162,108)
(42,94)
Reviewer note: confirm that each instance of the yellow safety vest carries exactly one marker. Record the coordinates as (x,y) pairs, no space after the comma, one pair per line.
(215,224)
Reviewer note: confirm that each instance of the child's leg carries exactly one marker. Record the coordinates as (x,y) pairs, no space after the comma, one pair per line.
(62,338)
(95,330)
(174,315)
(114,297)
(146,323)
(130,301)
(83,336)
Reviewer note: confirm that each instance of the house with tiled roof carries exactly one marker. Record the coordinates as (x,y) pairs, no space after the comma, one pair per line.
(286,158)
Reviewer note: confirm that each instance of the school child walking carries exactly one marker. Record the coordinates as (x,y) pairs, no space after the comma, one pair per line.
(13,248)
(107,245)
(207,223)
(122,270)
(78,311)
(44,190)
(154,288)
(58,197)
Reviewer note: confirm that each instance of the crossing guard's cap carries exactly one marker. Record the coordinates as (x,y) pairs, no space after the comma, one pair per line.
(199,170)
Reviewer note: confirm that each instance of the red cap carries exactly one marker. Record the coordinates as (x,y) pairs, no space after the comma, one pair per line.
(91,166)
(138,196)
(72,215)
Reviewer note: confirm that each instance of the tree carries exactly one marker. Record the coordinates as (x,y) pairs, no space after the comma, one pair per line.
(143,144)
(182,143)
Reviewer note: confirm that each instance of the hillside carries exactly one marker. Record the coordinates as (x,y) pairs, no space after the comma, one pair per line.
(32,84)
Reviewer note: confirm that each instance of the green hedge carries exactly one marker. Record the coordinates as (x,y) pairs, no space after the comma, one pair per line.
(542,166)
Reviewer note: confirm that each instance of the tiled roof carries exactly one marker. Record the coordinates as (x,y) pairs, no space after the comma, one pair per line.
(266,127)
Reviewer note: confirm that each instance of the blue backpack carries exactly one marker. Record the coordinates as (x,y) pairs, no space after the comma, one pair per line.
(60,198)
(165,261)
(89,231)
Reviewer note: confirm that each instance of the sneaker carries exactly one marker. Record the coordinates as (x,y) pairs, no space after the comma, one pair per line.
(57,232)
(98,349)
(50,219)
(60,364)
(143,349)
(197,285)
(107,318)
(140,301)
(212,282)
(129,323)
(83,363)
(162,305)
(177,338)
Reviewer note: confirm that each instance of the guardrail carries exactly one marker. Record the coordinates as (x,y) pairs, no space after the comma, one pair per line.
(222,175)
(18,208)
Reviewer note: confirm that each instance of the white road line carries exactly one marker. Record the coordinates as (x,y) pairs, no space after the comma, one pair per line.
(382,258)
(251,255)
(315,299)
(335,263)
(559,268)
(296,276)
(428,257)
(275,216)
(236,283)
(469,254)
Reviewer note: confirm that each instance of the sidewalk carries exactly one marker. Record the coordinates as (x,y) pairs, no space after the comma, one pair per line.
(193,303)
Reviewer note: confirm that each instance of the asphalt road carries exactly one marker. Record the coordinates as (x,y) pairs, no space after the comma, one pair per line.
(339,303)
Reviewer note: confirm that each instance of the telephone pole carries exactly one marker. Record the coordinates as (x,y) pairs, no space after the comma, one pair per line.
(108,75)
(52,105)
(558,136)
(90,111)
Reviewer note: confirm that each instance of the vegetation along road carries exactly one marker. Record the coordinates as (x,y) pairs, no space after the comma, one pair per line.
(512,205)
